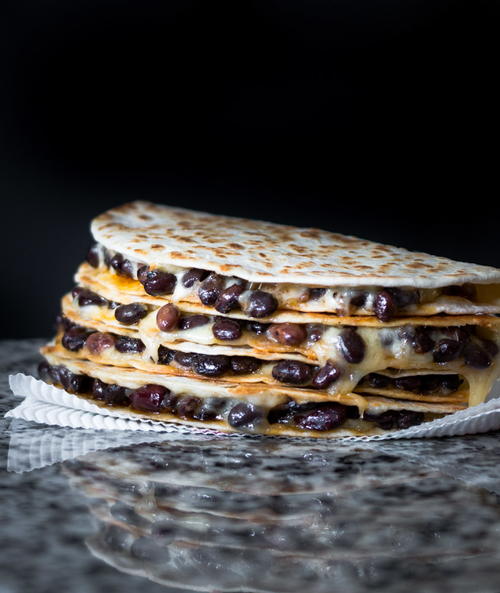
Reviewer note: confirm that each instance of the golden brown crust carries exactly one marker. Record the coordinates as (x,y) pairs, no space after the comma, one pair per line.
(263,252)
(126,290)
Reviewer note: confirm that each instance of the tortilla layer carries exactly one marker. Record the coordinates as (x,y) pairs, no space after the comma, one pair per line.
(253,397)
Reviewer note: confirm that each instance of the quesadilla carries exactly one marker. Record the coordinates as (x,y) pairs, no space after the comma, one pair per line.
(255,327)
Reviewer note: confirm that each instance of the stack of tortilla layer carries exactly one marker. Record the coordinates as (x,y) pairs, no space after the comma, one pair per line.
(250,326)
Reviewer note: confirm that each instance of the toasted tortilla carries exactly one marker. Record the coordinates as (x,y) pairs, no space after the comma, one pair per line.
(142,363)
(126,290)
(267,252)
(376,359)
(258,394)
(249,343)
(110,284)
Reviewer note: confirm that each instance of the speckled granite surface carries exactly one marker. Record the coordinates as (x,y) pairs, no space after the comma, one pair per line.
(94,512)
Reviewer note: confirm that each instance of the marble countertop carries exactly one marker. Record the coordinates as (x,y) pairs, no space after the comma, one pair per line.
(93,511)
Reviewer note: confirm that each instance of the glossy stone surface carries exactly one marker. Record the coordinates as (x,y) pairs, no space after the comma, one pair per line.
(116,512)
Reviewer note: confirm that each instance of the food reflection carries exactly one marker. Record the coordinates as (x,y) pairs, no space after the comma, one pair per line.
(274,516)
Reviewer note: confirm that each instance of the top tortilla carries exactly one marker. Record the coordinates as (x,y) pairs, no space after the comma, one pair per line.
(267,252)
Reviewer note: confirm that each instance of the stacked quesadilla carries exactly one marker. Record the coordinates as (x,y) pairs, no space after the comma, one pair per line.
(250,326)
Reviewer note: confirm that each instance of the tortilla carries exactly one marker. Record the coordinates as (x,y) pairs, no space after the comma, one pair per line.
(126,290)
(385,348)
(262,375)
(262,396)
(267,252)
(353,308)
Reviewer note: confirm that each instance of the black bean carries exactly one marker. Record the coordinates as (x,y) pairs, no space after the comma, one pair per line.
(226,329)
(116,262)
(211,365)
(127,268)
(413,384)
(93,256)
(352,345)
(407,418)
(377,381)
(122,266)
(326,375)
(261,304)
(185,359)
(460,334)
(292,371)
(359,300)
(316,293)
(228,298)
(112,394)
(384,306)
(126,344)
(148,398)
(130,314)
(187,406)
(210,409)
(97,342)
(74,338)
(283,413)
(193,321)
(244,365)
(193,275)
(422,342)
(245,415)
(257,328)
(98,388)
(289,334)
(404,298)
(54,373)
(386,420)
(157,283)
(446,350)
(323,417)
(210,289)
(72,382)
(167,317)
(85,297)
(165,355)
(169,403)
(314,333)
(476,357)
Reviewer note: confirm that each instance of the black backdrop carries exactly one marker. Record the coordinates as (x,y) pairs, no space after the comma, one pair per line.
(369,117)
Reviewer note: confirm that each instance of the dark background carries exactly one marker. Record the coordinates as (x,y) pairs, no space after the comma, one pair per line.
(374,118)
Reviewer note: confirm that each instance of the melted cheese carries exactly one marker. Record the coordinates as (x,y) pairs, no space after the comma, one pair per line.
(291,296)
(383,350)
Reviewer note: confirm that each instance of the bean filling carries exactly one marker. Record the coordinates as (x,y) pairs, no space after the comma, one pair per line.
(242,415)
(227,294)
(286,371)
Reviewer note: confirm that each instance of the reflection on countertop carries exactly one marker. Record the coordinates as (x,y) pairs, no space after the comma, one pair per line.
(172,512)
